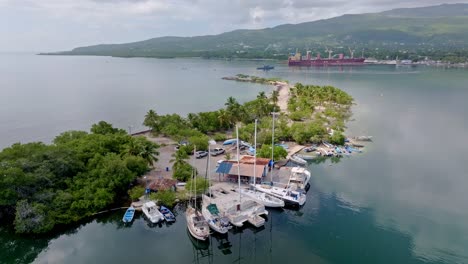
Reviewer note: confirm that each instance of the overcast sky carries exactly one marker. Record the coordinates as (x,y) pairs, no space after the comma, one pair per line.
(54,25)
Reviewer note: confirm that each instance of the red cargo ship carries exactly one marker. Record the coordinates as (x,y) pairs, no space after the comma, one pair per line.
(298,60)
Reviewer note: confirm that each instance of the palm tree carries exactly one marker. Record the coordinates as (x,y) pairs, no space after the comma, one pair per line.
(275,97)
(179,158)
(152,121)
(141,147)
(261,95)
(231,102)
(223,117)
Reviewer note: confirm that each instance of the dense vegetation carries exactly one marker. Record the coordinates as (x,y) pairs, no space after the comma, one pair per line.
(313,113)
(80,174)
(439,32)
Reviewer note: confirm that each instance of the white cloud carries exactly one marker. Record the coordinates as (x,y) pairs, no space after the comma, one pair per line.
(96,21)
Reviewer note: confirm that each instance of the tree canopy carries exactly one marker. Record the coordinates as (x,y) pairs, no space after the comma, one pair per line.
(78,175)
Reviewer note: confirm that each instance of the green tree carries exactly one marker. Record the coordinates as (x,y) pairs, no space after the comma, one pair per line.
(152,120)
(142,147)
(183,172)
(278,152)
(166,197)
(337,138)
(32,218)
(201,186)
(136,192)
(104,128)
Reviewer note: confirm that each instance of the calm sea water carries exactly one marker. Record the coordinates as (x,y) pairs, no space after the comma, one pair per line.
(402,201)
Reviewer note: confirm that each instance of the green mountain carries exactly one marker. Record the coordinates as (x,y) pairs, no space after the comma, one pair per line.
(425,30)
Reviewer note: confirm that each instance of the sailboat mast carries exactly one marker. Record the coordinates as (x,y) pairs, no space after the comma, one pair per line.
(272,146)
(209,170)
(255,155)
(238,165)
(195,179)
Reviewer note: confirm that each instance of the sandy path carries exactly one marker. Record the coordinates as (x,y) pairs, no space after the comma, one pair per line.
(283,89)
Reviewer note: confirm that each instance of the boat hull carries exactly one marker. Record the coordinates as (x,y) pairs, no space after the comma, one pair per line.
(326,62)
(200,232)
(274,202)
(129,214)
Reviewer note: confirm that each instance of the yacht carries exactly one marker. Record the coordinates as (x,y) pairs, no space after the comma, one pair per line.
(262,198)
(299,178)
(288,195)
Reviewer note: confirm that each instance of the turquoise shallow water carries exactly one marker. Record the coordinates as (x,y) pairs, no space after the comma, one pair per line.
(402,201)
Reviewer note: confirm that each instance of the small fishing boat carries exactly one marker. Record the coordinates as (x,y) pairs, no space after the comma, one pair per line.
(167,214)
(151,212)
(298,160)
(338,150)
(129,214)
(328,145)
(305,157)
(310,149)
(351,149)
(363,138)
(266,67)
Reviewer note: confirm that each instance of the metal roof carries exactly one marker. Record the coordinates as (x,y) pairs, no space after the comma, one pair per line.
(224,167)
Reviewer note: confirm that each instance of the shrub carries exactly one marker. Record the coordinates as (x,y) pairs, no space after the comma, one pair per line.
(166,198)
(136,192)
(220,137)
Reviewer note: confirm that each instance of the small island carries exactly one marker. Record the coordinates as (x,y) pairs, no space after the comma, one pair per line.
(81,174)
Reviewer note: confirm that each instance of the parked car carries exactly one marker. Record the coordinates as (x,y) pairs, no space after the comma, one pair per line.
(217,151)
(200,154)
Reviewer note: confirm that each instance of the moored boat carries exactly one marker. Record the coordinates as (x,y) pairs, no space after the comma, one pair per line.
(363,138)
(286,194)
(298,160)
(263,198)
(266,67)
(129,214)
(167,214)
(196,224)
(299,178)
(212,215)
(151,212)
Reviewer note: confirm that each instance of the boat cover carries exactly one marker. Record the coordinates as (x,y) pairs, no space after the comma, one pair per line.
(213,209)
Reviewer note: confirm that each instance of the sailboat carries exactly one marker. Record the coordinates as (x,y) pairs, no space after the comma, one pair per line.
(249,208)
(262,198)
(196,223)
(210,211)
(286,193)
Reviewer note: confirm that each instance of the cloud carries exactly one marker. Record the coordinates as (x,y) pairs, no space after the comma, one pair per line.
(110,21)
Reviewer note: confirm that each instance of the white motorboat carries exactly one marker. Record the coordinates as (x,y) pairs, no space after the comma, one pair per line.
(299,178)
(212,215)
(298,160)
(262,198)
(288,195)
(151,212)
(196,224)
